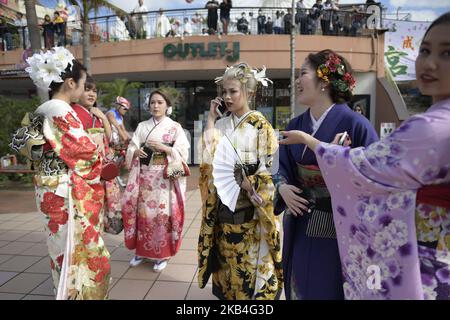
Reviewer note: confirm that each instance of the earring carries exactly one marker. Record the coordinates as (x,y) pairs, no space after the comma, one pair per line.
(323,89)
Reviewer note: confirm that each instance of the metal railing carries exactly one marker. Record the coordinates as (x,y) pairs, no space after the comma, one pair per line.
(189,22)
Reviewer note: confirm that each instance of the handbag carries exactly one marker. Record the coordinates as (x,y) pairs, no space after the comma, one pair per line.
(147,150)
(175,169)
(110,168)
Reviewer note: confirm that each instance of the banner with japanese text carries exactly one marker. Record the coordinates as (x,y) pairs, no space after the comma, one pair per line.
(402,43)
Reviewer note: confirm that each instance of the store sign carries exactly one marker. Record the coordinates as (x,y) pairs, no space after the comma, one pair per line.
(214,50)
(13,74)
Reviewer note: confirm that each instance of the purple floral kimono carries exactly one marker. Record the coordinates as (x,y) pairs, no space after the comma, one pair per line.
(391,247)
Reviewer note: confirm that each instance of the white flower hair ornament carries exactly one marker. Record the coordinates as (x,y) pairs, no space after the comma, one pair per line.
(47,67)
(243,72)
(169,111)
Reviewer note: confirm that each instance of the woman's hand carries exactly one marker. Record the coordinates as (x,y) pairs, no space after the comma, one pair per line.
(293,137)
(347,141)
(296,204)
(158,146)
(213,115)
(98,113)
(140,153)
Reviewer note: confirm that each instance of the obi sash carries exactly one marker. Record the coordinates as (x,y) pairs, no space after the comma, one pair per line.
(436,195)
(320,223)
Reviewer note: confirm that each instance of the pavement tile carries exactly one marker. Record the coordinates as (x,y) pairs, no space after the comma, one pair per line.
(118,268)
(36,236)
(128,289)
(10,225)
(3,243)
(188,244)
(12,235)
(10,296)
(195,293)
(122,254)
(42,266)
(192,233)
(167,290)
(144,271)
(6,276)
(16,247)
(39,249)
(38,297)
(45,288)
(178,272)
(185,257)
(23,283)
(19,263)
(4,257)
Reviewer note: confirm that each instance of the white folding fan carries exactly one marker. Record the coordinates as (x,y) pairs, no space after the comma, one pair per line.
(224,162)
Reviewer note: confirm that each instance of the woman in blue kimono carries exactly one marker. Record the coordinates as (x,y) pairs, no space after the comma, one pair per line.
(311,263)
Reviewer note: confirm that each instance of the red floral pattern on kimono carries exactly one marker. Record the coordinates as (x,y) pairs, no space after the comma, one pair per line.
(72,201)
(153,207)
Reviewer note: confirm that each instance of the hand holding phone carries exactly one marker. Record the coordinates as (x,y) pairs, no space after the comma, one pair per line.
(342,139)
(221,108)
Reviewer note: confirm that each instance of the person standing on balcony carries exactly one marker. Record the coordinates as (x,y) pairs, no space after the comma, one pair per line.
(391,200)
(163,25)
(140,18)
(225,8)
(60,28)
(288,21)
(316,14)
(311,264)
(301,17)
(22,29)
(154,199)
(242,24)
(212,7)
(48,32)
(261,22)
(187,27)
(278,23)
(269,25)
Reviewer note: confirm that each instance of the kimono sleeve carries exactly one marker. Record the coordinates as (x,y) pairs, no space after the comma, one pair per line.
(181,144)
(415,154)
(134,144)
(72,144)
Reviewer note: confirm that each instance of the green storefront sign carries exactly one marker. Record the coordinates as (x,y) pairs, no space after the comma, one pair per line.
(203,50)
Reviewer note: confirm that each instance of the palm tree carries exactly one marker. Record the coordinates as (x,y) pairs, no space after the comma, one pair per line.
(86,6)
(119,87)
(32,23)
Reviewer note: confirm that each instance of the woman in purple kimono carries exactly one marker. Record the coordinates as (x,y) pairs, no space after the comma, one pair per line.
(311,262)
(391,200)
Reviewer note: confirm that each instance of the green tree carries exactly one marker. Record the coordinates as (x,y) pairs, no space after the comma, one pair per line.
(87,6)
(119,87)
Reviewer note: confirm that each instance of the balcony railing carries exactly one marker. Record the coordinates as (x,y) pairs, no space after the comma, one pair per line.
(347,21)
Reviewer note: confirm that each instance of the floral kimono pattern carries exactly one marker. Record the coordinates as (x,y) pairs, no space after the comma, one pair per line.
(70,197)
(391,247)
(153,206)
(111,216)
(244,259)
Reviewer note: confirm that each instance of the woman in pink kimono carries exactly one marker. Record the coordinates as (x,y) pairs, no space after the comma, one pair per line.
(391,200)
(153,203)
(69,194)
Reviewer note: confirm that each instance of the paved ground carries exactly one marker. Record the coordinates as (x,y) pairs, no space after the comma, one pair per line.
(25,269)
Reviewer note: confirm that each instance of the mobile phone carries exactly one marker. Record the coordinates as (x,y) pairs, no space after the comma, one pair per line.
(221,108)
(342,139)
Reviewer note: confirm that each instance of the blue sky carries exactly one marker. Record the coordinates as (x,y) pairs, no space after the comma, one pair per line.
(420,10)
